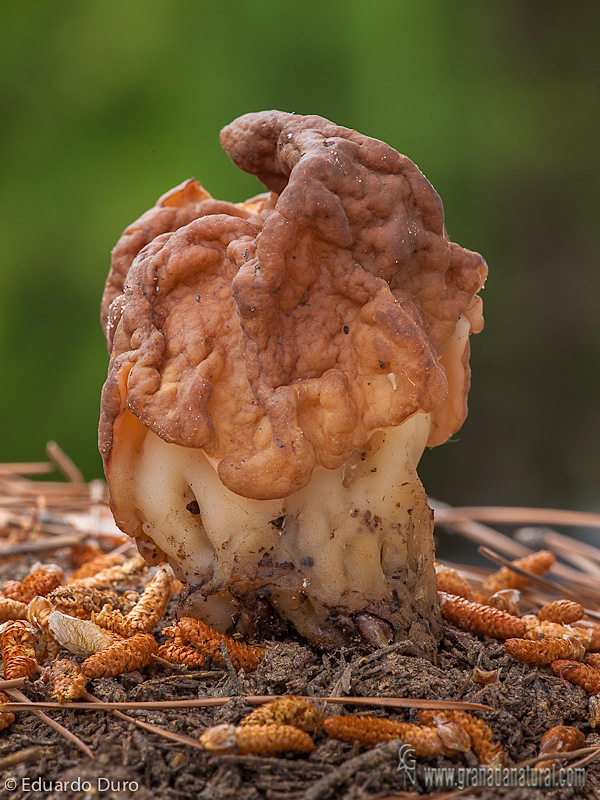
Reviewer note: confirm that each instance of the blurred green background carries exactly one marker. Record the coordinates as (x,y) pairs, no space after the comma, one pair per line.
(108,104)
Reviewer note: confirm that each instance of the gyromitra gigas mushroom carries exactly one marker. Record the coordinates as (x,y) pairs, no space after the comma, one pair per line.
(277,368)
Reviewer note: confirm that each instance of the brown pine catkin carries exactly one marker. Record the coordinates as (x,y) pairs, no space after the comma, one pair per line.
(17,642)
(370,731)
(289,710)
(479,732)
(66,680)
(562,611)
(111,620)
(113,576)
(561,739)
(540,629)
(125,655)
(208,641)
(176,652)
(40,581)
(451,581)
(589,633)
(95,565)
(6,717)
(545,651)
(152,604)
(81,601)
(580,674)
(81,554)
(505,600)
(480,619)
(537,563)
(263,740)
(12,609)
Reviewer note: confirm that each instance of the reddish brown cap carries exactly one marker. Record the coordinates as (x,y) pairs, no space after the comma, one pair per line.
(277,335)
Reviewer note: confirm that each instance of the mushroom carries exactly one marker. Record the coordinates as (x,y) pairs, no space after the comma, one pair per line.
(276,369)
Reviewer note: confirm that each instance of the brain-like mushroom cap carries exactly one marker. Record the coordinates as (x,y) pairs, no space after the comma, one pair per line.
(277,335)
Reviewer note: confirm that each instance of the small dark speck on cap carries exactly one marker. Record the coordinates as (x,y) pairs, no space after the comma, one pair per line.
(382,365)
(193,507)
(346,329)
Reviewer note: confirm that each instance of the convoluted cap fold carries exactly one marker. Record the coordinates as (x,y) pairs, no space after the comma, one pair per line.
(277,335)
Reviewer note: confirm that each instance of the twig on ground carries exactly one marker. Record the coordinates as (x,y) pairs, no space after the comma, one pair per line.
(68,468)
(21,757)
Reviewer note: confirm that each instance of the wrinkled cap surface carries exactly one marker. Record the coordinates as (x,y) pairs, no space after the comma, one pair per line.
(278,334)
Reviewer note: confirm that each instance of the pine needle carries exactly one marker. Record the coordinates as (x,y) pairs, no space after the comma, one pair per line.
(205,702)
(27,705)
(508,515)
(180,738)
(15,683)
(545,583)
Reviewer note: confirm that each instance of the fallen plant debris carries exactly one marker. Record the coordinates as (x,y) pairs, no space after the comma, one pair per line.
(561,738)
(208,702)
(56,726)
(79,636)
(65,680)
(474,664)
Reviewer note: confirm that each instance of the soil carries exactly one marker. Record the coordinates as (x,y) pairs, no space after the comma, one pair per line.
(527,700)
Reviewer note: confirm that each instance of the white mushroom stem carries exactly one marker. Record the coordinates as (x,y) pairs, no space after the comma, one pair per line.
(358,538)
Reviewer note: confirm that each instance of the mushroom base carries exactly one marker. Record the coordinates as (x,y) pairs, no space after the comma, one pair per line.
(348,556)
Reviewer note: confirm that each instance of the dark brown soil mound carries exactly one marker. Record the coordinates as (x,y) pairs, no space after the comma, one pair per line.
(527,700)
